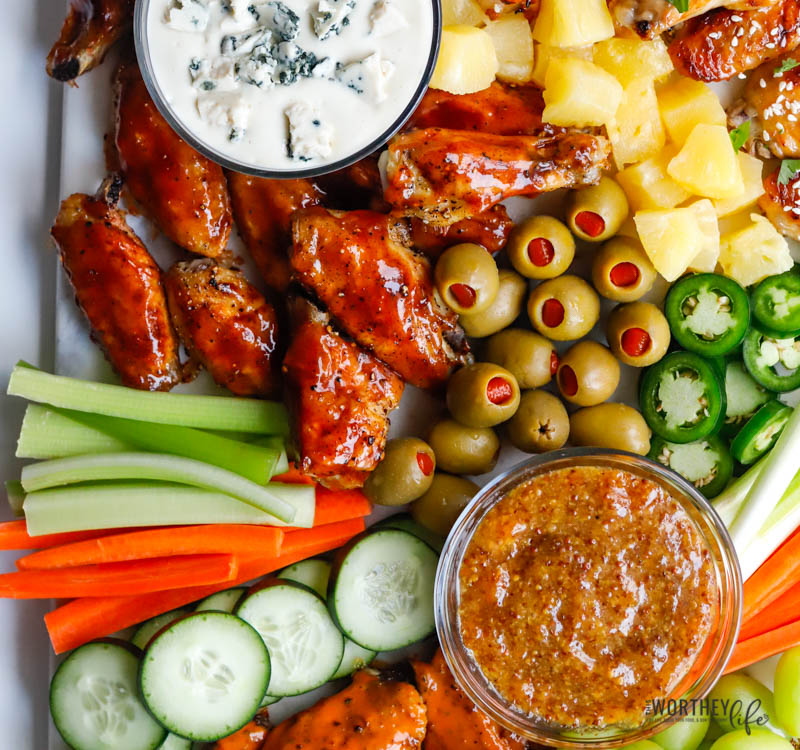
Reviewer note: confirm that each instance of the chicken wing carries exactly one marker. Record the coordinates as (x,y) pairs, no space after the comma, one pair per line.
(263,212)
(339,397)
(442,176)
(358,263)
(372,713)
(490,229)
(356,186)
(781,204)
(454,723)
(182,191)
(226,325)
(118,286)
(90,29)
(725,42)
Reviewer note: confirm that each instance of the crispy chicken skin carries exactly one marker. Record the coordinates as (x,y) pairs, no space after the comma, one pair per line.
(90,29)
(226,325)
(263,211)
(490,229)
(442,176)
(454,723)
(371,714)
(250,737)
(118,286)
(339,397)
(182,191)
(725,42)
(359,265)
(781,204)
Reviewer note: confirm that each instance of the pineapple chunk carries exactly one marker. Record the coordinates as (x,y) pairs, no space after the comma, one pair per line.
(707,164)
(577,92)
(671,238)
(573,23)
(544,53)
(755,252)
(513,45)
(708,255)
(636,132)
(648,185)
(467,62)
(629,59)
(462,12)
(684,103)
(753,186)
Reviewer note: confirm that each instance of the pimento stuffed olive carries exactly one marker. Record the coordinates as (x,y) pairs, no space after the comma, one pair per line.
(467,278)
(443,502)
(564,309)
(621,270)
(540,424)
(503,311)
(638,334)
(529,357)
(588,374)
(596,213)
(482,395)
(616,426)
(404,474)
(464,450)
(541,247)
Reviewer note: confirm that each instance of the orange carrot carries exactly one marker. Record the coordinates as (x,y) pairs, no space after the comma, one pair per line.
(82,620)
(130,578)
(340,505)
(767,644)
(297,540)
(783,611)
(14,535)
(141,545)
(775,577)
(292,475)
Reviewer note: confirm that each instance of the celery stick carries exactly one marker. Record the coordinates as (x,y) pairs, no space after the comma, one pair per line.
(282,463)
(128,504)
(730,501)
(209,412)
(16,496)
(46,433)
(277,444)
(152,466)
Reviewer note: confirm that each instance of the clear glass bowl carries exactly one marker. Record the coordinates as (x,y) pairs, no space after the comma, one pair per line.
(710,661)
(145,65)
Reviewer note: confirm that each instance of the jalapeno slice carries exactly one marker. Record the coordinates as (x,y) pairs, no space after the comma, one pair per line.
(760,432)
(773,362)
(707,464)
(682,398)
(707,313)
(776,302)
(744,396)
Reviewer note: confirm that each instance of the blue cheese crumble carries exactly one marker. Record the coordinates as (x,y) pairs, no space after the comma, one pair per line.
(310,137)
(368,76)
(331,16)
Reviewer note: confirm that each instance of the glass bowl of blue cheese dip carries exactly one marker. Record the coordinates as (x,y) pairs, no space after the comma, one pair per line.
(287,88)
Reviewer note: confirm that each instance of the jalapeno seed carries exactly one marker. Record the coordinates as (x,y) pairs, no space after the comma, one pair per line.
(590,223)
(552,313)
(624,274)
(541,252)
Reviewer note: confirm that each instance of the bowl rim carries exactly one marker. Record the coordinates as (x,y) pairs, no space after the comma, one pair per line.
(729,580)
(142,48)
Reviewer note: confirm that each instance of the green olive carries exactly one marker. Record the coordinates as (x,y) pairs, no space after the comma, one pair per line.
(443,502)
(596,213)
(540,424)
(529,357)
(466,277)
(541,247)
(482,395)
(404,474)
(464,450)
(564,309)
(621,270)
(638,333)
(616,426)
(502,312)
(587,374)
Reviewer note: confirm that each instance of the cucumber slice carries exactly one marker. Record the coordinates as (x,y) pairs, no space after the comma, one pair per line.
(304,644)
(405,522)
(150,627)
(268,700)
(173,742)
(204,676)
(222,601)
(94,700)
(313,573)
(382,590)
(355,657)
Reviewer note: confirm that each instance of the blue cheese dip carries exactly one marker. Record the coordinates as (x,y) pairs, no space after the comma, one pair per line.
(288,85)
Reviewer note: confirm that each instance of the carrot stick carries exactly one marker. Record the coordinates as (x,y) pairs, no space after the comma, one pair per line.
(340,505)
(776,576)
(141,545)
(14,535)
(131,577)
(82,620)
(293,476)
(767,644)
(783,611)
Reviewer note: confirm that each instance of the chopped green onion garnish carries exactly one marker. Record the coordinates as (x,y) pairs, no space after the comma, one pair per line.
(740,135)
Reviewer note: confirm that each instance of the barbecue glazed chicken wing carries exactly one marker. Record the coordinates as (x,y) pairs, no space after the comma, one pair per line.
(725,42)
(118,286)
(373,713)
(182,191)
(490,229)
(90,29)
(442,176)
(781,204)
(359,265)
(263,212)
(226,325)
(339,398)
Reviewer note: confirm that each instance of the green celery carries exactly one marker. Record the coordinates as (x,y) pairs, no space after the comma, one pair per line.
(730,501)
(282,464)
(152,466)
(278,444)
(130,504)
(16,496)
(204,412)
